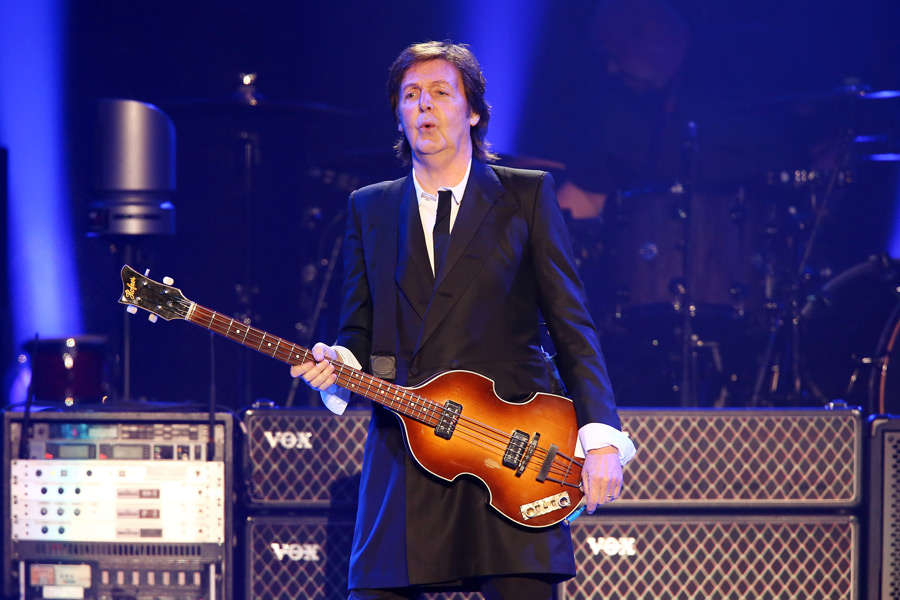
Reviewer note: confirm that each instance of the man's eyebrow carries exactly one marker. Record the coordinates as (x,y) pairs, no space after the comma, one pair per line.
(430,82)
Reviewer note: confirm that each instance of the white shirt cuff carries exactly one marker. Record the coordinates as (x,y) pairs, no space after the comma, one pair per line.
(336,398)
(600,435)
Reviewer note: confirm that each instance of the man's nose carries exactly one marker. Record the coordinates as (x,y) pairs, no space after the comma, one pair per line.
(425,102)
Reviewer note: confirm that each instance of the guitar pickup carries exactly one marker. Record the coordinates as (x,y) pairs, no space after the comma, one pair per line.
(515,450)
(449,418)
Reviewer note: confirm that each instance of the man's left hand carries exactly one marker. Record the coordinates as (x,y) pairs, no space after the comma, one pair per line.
(601,477)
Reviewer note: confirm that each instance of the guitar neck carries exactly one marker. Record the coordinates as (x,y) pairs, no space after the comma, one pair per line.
(395,397)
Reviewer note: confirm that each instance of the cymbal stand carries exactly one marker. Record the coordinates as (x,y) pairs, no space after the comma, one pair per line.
(688,345)
(250,158)
(311,326)
(790,311)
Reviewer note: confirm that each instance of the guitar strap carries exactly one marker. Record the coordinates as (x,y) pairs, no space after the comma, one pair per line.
(383,360)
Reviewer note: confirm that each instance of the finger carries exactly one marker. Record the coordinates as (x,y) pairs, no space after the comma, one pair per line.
(322,351)
(591,493)
(321,376)
(301,369)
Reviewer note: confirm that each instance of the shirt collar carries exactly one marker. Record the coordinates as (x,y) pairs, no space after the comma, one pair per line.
(458,190)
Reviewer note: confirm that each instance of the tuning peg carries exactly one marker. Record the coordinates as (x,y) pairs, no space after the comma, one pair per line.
(168,280)
(146,272)
(132,309)
(152,318)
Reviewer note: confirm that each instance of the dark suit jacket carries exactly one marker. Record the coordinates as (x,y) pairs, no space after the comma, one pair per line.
(509,264)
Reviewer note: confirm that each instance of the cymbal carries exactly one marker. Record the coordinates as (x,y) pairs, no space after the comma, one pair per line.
(836,98)
(530,162)
(247,100)
(237,104)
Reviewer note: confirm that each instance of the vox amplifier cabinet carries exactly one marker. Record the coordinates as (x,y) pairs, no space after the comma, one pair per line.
(729,459)
(737,557)
(303,458)
(781,459)
(307,557)
(103,505)
(884,510)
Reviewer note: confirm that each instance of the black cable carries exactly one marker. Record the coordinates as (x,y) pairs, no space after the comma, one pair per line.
(29,400)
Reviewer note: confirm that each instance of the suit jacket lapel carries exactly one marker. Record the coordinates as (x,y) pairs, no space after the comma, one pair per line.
(414,275)
(483,215)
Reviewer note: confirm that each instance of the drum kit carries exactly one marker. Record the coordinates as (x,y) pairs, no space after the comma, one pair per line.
(712,298)
(703,297)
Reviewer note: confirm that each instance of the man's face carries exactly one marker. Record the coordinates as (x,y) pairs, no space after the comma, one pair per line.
(434,112)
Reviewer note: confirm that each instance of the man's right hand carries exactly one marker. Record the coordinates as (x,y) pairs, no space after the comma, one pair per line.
(318,375)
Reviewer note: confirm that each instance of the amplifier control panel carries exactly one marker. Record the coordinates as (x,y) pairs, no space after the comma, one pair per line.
(117,501)
(117,441)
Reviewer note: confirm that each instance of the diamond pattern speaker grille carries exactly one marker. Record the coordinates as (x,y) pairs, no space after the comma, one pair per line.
(724,458)
(729,558)
(303,557)
(304,458)
(891,531)
(733,458)
(888,516)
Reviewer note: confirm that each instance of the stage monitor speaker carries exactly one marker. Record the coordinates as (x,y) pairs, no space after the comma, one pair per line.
(289,557)
(730,459)
(117,505)
(304,458)
(733,557)
(884,510)
(788,459)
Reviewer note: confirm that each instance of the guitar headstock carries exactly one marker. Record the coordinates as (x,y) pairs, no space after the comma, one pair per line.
(158,298)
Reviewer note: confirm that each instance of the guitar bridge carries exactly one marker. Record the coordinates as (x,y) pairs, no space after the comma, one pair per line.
(449,418)
(518,443)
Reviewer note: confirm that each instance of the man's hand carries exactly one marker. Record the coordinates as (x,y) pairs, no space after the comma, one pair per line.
(601,477)
(318,375)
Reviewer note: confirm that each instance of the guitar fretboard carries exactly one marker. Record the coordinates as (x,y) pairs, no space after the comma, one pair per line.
(395,397)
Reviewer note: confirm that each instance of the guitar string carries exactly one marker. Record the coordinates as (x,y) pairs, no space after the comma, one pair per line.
(496,440)
(486,438)
(252,336)
(492,436)
(346,375)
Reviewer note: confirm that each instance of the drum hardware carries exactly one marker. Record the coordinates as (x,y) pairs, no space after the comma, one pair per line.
(847,331)
(254,132)
(307,330)
(781,362)
(647,252)
(884,395)
(71,370)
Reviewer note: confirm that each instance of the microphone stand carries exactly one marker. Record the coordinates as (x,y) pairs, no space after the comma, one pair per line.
(688,357)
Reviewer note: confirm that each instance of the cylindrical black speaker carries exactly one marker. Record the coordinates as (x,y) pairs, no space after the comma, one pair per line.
(134,175)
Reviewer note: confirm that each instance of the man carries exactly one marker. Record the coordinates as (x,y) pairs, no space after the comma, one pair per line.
(508,263)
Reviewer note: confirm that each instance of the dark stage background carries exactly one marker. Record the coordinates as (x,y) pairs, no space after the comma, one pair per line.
(260,192)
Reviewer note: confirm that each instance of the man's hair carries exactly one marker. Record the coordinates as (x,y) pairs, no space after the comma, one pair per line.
(465,62)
